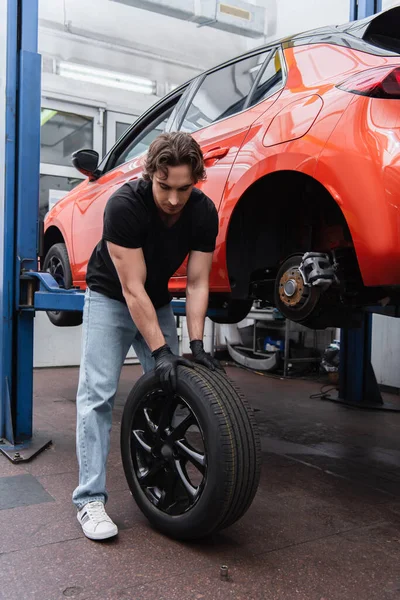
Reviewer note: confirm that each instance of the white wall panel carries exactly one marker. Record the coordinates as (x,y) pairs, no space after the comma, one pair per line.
(386,350)
(55,346)
(389,4)
(297,16)
(58,346)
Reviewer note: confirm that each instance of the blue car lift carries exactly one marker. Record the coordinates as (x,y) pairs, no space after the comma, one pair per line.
(24,290)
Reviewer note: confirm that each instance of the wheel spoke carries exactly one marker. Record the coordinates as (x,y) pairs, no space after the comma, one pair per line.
(139,437)
(168,498)
(191,491)
(196,458)
(147,477)
(56,269)
(152,426)
(165,457)
(181,429)
(166,415)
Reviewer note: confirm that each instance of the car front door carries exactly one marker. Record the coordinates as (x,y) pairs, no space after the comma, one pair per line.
(124,163)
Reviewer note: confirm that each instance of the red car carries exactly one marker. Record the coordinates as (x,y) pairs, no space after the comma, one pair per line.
(301,140)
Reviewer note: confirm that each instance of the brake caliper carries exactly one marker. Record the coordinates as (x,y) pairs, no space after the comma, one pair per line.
(317,270)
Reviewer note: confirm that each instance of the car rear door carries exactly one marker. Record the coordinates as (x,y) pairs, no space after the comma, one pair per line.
(219,118)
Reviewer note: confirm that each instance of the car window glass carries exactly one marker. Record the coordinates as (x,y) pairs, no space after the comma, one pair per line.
(223,93)
(141,143)
(270,82)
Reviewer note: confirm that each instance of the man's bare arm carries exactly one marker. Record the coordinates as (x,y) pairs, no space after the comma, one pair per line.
(196,306)
(197,291)
(131,269)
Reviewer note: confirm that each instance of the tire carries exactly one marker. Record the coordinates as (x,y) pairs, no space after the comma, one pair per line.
(230,450)
(57,264)
(235,311)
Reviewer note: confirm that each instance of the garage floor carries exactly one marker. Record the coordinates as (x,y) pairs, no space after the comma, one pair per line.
(325,524)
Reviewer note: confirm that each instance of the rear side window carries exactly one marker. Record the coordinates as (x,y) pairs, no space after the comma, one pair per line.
(271,80)
(223,93)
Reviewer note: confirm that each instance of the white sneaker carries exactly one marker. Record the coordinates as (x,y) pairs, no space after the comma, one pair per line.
(95,522)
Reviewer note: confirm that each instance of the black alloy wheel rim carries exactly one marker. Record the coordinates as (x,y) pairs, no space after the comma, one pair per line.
(56,269)
(168,453)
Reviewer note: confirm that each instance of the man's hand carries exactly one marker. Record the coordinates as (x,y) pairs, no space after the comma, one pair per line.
(202,357)
(166,367)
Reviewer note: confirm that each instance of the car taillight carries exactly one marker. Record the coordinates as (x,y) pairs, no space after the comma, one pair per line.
(383,82)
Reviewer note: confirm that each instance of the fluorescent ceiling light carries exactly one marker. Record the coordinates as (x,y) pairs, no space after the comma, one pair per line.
(114,79)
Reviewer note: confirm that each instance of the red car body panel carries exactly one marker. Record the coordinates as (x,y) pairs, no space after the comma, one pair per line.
(349,143)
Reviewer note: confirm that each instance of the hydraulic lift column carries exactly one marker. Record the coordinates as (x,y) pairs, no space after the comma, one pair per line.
(19,232)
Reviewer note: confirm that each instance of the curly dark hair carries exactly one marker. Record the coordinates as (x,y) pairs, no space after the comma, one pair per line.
(173,150)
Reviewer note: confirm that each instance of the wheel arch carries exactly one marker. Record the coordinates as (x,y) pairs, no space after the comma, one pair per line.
(283,212)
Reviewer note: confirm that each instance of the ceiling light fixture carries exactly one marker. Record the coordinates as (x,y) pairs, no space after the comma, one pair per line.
(123,81)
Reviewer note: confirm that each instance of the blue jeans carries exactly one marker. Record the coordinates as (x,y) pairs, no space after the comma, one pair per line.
(107,334)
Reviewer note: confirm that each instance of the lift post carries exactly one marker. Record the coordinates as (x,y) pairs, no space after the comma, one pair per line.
(19,233)
(360,9)
(357,382)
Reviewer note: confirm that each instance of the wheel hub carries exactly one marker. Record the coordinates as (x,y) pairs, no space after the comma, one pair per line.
(292,291)
(167,452)
(290,288)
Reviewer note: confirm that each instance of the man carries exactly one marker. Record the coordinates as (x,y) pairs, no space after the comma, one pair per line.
(150,226)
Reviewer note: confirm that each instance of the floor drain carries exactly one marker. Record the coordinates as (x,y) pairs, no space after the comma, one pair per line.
(70,592)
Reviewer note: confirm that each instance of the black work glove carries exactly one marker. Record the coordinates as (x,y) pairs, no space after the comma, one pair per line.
(166,367)
(202,357)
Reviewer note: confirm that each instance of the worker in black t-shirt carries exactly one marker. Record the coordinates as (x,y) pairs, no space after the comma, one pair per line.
(150,226)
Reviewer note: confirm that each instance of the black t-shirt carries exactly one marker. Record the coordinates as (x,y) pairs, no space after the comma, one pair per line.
(132,220)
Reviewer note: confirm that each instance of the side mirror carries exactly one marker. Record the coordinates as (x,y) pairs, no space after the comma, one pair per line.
(86,161)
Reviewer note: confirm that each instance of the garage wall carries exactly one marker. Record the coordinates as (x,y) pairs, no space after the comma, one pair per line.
(133,41)
(147,44)
(61,346)
(389,4)
(288,16)
(55,346)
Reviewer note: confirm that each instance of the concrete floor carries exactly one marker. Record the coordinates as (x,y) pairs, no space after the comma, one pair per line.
(325,524)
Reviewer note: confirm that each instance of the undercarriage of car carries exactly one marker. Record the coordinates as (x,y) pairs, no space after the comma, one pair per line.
(319,290)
